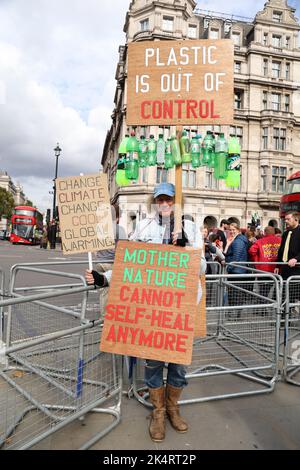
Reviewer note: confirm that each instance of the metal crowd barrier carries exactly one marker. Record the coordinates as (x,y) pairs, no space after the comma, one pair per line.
(2,293)
(291,365)
(51,369)
(233,359)
(290,321)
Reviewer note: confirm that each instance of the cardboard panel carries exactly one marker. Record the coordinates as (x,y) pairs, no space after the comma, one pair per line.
(180,82)
(200,321)
(84,213)
(152,302)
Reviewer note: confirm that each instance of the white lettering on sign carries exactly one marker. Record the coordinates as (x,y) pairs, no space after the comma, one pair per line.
(180,82)
(194,55)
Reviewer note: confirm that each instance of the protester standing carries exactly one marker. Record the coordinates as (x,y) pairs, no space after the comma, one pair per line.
(160,229)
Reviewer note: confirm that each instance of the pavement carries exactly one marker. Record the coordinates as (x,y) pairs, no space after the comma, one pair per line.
(261,422)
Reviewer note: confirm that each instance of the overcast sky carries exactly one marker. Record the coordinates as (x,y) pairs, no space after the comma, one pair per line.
(57,67)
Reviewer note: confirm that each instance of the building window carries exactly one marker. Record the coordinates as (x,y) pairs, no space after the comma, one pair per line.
(278,179)
(144,24)
(236,37)
(276,138)
(287,42)
(279,139)
(237,131)
(168,23)
(276,41)
(277,16)
(287,103)
(214,33)
(161,175)
(210,181)
(287,70)
(237,67)
(192,31)
(275,101)
(188,176)
(216,130)
(276,69)
(265,100)
(238,99)
(265,67)
(264,178)
(206,23)
(265,39)
(265,138)
(144,175)
(282,142)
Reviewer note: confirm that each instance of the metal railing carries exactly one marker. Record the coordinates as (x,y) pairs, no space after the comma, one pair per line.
(242,343)
(291,364)
(51,369)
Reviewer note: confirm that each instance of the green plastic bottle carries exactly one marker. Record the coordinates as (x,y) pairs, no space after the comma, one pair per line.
(151,151)
(233,179)
(195,151)
(132,158)
(234,146)
(121,179)
(175,149)
(185,148)
(143,152)
(212,160)
(221,151)
(123,145)
(207,148)
(169,160)
(160,150)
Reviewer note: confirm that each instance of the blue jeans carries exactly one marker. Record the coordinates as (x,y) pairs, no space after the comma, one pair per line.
(154,374)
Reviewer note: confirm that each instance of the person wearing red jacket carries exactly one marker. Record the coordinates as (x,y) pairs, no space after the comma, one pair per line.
(265,249)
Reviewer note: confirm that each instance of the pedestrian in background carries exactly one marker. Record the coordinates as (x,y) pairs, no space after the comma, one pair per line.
(289,253)
(236,251)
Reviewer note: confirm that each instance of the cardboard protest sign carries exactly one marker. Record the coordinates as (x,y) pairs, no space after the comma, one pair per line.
(180,82)
(200,321)
(85,213)
(152,302)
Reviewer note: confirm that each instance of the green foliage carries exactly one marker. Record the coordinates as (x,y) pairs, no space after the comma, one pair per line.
(7,203)
(29,203)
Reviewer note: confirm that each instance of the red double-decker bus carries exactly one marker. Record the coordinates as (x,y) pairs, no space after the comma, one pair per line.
(27,225)
(290,201)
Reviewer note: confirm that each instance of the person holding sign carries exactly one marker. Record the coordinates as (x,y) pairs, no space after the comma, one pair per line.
(160,229)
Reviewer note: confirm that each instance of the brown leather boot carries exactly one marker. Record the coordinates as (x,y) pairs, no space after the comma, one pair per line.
(157,424)
(172,397)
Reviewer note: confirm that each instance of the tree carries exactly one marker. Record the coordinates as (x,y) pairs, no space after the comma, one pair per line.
(7,203)
(29,203)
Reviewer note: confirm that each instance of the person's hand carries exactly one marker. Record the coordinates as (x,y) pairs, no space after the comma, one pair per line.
(292,262)
(98,279)
(89,277)
(176,236)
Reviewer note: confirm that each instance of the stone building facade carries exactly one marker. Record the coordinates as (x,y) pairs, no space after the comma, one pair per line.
(15,190)
(266,110)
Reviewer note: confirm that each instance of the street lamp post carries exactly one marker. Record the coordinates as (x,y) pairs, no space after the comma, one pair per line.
(53,227)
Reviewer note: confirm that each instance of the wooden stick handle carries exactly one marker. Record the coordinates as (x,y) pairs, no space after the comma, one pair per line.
(178,189)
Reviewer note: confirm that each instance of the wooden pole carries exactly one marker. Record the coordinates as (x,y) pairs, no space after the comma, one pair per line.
(178,189)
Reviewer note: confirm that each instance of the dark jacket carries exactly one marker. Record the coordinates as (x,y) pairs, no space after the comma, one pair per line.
(237,251)
(294,252)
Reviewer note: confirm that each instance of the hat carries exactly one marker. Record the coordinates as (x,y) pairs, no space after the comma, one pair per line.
(168,189)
